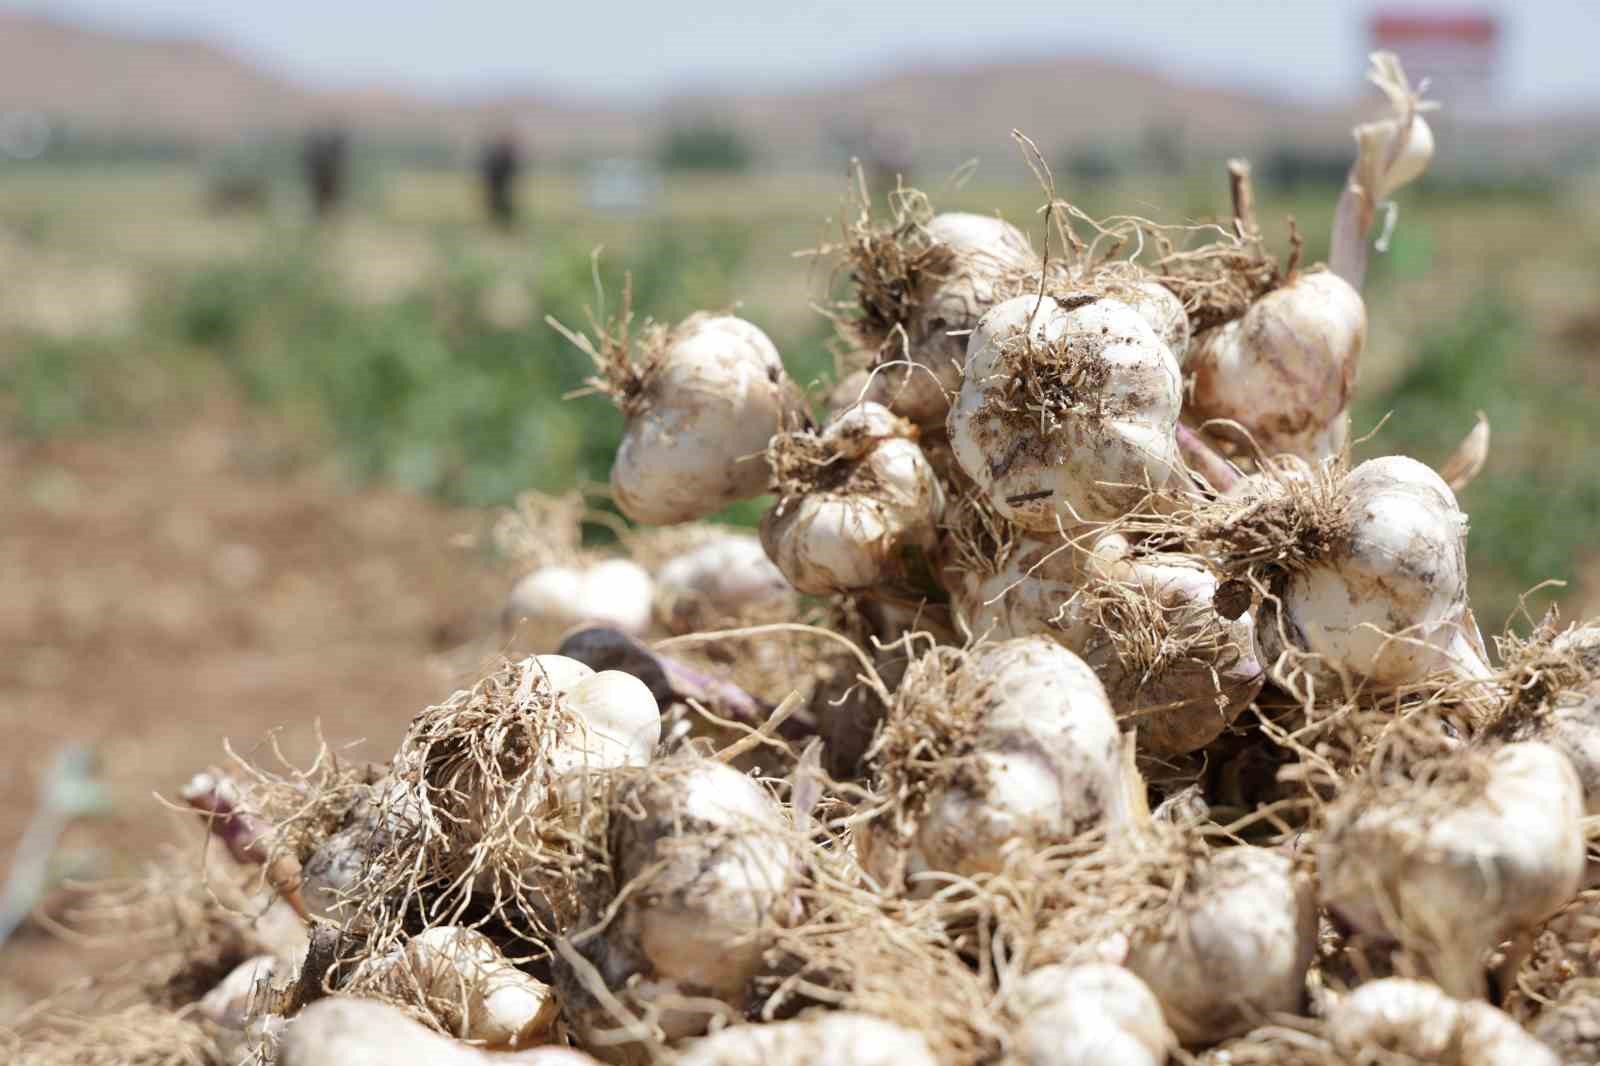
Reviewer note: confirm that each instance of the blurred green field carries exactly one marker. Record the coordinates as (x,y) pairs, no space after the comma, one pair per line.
(408,339)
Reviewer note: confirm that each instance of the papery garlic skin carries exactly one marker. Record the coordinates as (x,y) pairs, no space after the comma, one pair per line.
(1110,439)
(837,1038)
(1034,593)
(1285,370)
(1391,153)
(1462,878)
(697,440)
(1049,589)
(1274,477)
(1389,603)
(849,532)
(1400,1016)
(1088,1015)
(921,372)
(1161,309)
(1045,765)
(1238,949)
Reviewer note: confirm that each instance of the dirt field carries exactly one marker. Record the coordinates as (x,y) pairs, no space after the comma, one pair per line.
(167,591)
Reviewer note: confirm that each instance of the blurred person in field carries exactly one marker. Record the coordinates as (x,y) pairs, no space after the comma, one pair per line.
(325,161)
(499,167)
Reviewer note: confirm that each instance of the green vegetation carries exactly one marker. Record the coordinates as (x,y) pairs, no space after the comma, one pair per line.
(458,388)
(441,374)
(1536,505)
(705,146)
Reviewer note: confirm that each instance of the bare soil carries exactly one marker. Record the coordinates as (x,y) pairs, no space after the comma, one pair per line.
(164,591)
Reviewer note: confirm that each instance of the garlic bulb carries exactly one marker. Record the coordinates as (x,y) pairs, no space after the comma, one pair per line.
(1570,723)
(1040,761)
(553,599)
(354,854)
(1033,592)
(1285,370)
(1147,624)
(975,260)
(586,722)
(837,1038)
(855,498)
(1274,477)
(1089,1015)
(244,996)
(714,857)
(460,978)
(1238,948)
(1453,865)
(698,428)
(1399,1016)
(1067,413)
(720,577)
(1388,601)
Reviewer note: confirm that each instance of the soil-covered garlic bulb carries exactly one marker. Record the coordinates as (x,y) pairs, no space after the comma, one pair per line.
(470,989)
(837,1038)
(1177,668)
(855,499)
(705,858)
(1449,865)
(1016,746)
(700,411)
(1570,723)
(970,262)
(553,599)
(1090,1015)
(1285,370)
(1174,666)
(1067,412)
(1387,599)
(1400,1016)
(720,577)
(1236,946)
(1032,591)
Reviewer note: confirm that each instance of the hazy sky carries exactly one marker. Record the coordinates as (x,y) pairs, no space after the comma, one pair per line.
(629,48)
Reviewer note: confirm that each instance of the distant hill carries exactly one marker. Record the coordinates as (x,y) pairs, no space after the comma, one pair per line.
(198,92)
